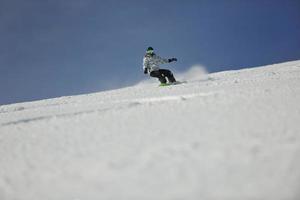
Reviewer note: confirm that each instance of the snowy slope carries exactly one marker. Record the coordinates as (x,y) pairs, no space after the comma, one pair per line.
(231,135)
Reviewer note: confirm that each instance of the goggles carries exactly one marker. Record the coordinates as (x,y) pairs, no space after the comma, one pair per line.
(150,51)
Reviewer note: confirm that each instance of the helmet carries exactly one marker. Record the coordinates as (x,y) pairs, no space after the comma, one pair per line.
(149,50)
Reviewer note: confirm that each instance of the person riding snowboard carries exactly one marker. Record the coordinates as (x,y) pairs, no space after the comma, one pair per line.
(151,63)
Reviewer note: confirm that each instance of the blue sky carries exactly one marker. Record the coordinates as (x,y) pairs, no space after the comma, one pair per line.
(54,48)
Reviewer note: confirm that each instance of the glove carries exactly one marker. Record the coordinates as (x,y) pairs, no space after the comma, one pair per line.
(172,59)
(145,71)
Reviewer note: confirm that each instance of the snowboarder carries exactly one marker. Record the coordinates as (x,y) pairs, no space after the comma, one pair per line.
(151,63)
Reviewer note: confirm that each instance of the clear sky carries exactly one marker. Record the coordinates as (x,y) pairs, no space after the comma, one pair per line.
(51,48)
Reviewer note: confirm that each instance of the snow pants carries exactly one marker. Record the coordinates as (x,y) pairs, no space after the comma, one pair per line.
(161,74)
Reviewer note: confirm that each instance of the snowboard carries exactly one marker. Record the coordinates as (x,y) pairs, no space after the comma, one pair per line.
(170,84)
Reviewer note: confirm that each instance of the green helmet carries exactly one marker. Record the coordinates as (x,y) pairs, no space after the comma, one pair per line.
(149,50)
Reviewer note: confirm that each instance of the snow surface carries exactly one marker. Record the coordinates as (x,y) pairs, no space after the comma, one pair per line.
(231,135)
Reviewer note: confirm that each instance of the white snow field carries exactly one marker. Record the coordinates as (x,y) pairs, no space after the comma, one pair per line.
(232,135)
